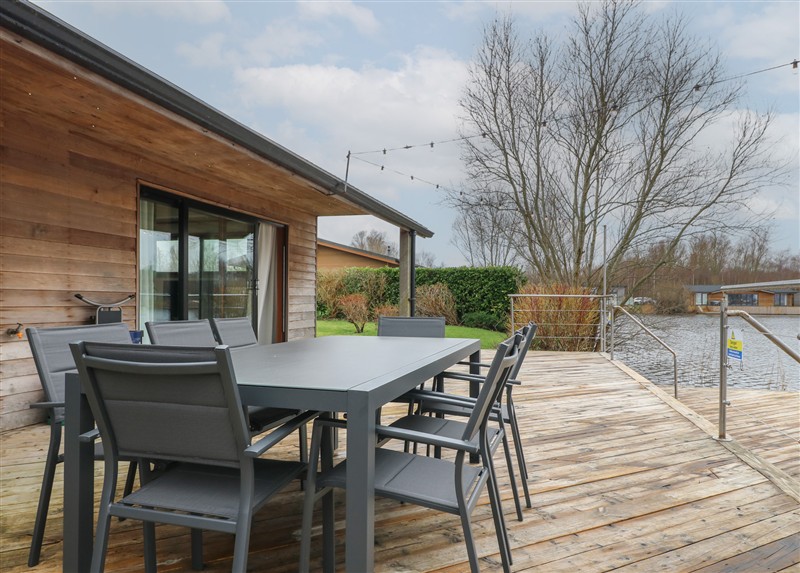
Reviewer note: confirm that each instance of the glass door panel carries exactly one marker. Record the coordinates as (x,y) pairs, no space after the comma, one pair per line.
(159,261)
(220,266)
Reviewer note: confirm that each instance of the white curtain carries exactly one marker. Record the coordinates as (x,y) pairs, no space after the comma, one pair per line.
(266,282)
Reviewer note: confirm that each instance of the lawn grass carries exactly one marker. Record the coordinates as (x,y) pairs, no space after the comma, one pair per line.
(489,338)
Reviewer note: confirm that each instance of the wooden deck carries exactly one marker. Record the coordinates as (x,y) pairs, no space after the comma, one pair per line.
(623,477)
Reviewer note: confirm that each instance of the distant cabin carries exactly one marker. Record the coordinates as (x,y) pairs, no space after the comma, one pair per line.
(332,256)
(707,298)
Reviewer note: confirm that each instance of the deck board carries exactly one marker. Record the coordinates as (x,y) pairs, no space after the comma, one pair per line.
(621,480)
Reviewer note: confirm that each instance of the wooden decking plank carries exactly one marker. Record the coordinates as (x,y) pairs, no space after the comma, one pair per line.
(765,559)
(621,478)
(620,543)
(695,556)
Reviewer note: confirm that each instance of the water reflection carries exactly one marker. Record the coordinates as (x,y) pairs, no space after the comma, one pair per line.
(695,340)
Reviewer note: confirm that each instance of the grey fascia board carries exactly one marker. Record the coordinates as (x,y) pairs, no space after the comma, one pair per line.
(41,27)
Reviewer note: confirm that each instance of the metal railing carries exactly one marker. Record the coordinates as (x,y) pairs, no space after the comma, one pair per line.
(724,364)
(654,336)
(555,322)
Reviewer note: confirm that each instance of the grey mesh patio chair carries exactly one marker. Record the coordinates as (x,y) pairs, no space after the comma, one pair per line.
(180,405)
(181,333)
(235,333)
(423,326)
(53,359)
(504,413)
(420,326)
(444,485)
(433,405)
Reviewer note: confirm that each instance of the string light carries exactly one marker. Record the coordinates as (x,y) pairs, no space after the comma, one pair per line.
(613,108)
(412,177)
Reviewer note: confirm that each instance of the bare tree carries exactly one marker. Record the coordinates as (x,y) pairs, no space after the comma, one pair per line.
(609,128)
(484,232)
(374,242)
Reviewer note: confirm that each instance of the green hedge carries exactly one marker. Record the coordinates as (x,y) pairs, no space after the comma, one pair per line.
(484,289)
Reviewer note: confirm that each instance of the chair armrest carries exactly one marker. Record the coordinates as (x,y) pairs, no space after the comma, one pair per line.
(462,376)
(279,434)
(89,436)
(424,438)
(44,405)
(434,397)
(478,364)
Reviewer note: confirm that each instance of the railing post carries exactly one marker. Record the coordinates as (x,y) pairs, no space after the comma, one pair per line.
(613,319)
(723,366)
(513,326)
(603,319)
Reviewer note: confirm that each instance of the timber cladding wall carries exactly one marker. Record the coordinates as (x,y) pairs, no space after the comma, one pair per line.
(74,149)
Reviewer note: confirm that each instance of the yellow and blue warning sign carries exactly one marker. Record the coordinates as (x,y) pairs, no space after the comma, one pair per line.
(735,344)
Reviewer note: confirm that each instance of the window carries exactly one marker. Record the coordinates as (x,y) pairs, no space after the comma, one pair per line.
(781,299)
(701,299)
(197,261)
(738,299)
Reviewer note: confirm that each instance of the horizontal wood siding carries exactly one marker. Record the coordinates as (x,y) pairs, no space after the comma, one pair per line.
(72,162)
(330,259)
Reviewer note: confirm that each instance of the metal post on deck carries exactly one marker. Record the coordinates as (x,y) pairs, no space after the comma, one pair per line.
(723,366)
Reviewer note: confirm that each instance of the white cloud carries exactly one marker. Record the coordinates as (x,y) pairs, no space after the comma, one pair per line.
(758,30)
(369,106)
(280,40)
(209,52)
(362,18)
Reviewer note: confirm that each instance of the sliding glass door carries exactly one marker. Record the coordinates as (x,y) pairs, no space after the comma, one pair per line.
(197,261)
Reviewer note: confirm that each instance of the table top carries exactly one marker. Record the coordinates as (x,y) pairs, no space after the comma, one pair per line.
(322,370)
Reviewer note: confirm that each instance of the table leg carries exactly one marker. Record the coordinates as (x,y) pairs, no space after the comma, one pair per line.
(78,480)
(360,491)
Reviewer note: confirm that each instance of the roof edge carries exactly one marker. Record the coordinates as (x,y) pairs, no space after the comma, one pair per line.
(39,26)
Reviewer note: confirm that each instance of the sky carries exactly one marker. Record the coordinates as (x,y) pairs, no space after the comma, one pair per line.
(324,78)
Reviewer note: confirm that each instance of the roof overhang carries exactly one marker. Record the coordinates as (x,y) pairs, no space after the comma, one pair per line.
(42,28)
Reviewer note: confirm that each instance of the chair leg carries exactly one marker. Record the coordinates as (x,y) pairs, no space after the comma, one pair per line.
(149,539)
(497,508)
(130,480)
(517,438)
(241,545)
(472,554)
(44,495)
(197,549)
(510,465)
(308,500)
(499,524)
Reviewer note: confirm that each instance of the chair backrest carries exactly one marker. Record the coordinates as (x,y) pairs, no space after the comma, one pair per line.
(528,332)
(52,356)
(164,402)
(496,378)
(234,332)
(181,333)
(422,326)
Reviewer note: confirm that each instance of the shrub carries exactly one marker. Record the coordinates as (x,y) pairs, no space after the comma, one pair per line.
(564,323)
(484,320)
(330,288)
(385,310)
(436,300)
(355,309)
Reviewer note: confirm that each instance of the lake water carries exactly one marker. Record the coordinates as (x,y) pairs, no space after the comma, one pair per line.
(695,340)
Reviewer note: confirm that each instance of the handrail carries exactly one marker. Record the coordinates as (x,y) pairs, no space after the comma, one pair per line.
(724,313)
(656,338)
(766,332)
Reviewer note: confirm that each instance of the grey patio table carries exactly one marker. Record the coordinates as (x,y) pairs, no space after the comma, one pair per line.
(348,374)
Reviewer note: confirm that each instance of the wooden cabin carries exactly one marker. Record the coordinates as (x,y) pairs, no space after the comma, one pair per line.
(707,298)
(332,256)
(116,182)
